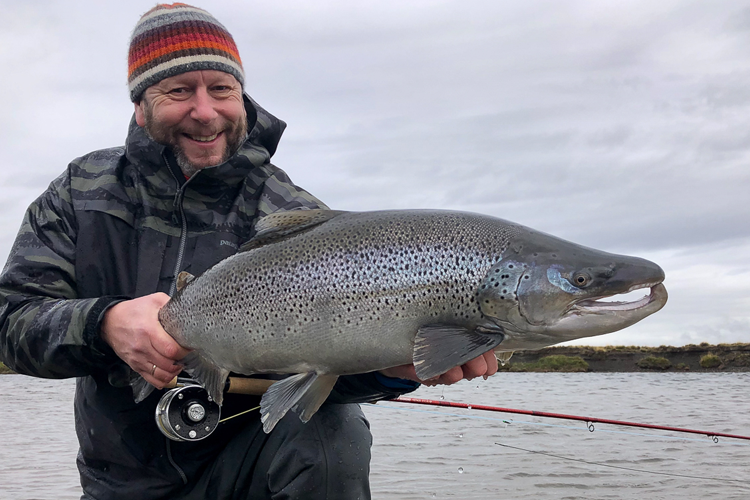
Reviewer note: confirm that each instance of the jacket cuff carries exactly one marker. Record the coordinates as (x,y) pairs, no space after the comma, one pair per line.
(92,337)
(396,384)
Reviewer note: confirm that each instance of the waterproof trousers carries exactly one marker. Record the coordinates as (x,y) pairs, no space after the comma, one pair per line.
(327,458)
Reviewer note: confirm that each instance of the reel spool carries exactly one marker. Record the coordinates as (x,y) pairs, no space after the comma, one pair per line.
(187,414)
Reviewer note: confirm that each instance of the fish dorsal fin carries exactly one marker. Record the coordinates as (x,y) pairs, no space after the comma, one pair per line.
(183,279)
(278,226)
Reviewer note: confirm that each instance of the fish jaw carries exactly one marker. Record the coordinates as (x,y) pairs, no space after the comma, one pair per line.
(547,290)
(587,318)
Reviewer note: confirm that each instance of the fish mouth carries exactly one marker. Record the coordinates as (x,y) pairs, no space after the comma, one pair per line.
(605,304)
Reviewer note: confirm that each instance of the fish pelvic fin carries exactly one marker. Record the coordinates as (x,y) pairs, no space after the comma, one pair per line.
(504,357)
(141,388)
(302,393)
(438,348)
(280,225)
(183,279)
(207,374)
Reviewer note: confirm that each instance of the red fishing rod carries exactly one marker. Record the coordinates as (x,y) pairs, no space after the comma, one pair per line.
(589,420)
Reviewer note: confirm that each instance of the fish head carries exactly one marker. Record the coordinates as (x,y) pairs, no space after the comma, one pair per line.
(546,290)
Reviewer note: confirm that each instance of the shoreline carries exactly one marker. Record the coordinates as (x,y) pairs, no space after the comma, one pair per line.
(695,358)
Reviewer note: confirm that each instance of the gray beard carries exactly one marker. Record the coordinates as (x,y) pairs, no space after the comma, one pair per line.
(189,168)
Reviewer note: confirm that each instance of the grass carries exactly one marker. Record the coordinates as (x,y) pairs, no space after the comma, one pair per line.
(654,363)
(4,369)
(554,363)
(710,361)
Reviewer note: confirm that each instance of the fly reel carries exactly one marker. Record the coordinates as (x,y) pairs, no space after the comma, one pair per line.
(187,414)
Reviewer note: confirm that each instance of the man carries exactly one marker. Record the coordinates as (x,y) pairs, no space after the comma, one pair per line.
(99,251)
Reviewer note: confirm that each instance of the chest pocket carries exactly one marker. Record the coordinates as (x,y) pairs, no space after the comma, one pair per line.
(115,258)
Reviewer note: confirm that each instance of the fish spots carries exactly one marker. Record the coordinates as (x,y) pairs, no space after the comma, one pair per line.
(355,273)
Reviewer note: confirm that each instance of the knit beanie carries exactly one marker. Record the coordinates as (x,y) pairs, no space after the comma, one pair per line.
(173,39)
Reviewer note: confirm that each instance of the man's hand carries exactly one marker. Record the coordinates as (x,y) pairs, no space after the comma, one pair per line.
(133,331)
(481,366)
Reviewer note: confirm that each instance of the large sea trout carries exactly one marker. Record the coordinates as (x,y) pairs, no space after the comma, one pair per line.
(322,293)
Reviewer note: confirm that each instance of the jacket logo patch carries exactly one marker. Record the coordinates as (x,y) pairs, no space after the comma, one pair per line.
(229,244)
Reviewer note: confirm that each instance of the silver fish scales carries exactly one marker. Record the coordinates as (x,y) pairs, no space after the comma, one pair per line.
(323,293)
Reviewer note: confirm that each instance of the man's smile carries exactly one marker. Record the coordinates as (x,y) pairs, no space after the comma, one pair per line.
(202,138)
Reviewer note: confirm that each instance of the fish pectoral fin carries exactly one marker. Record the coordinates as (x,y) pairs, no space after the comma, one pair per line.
(183,279)
(438,348)
(141,388)
(279,225)
(207,374)
(302,393)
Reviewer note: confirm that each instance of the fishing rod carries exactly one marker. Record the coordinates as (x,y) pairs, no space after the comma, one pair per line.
(186,413)
(590,421)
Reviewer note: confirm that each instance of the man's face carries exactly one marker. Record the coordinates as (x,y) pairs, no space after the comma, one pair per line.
(200,114)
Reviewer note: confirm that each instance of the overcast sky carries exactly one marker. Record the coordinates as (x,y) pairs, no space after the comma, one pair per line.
(623,126)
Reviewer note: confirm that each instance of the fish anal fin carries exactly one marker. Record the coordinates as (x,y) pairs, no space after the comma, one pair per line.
(438,348)
(302,393)
(279,225)
(183,279)
(207,374)
(141,388)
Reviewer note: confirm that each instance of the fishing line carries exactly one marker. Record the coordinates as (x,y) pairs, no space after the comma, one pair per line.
(590,421)
(541,424)
(707,478)
(238,414)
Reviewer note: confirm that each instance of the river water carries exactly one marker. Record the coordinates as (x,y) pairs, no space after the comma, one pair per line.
(425,452)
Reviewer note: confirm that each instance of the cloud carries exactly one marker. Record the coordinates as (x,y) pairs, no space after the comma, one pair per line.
(623,126)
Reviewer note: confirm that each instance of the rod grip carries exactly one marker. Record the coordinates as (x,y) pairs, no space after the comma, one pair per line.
(239,385)
(251,386)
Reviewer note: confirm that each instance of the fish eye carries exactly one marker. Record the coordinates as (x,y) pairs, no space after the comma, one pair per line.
(581,279)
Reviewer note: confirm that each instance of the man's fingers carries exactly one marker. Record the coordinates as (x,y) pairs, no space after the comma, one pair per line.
(474,368)
(167,347)
(452,376)
(491,360)
(158,376)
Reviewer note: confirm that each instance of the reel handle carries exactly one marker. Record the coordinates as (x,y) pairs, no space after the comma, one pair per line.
(239,385)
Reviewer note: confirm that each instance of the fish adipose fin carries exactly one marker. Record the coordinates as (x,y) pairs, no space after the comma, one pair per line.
(207,374)
(278,226)
(438,348)
(183,279)
(302,393)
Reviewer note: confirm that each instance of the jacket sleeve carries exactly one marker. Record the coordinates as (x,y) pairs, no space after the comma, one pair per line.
(369,387)
(45,329)
(280,194)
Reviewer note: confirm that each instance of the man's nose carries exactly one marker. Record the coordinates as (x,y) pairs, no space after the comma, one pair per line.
(203,107)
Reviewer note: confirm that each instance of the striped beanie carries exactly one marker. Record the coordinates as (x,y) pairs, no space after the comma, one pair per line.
(173,39)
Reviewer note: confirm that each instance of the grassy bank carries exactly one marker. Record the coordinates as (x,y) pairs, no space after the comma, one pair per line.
(693,358)
(690,358)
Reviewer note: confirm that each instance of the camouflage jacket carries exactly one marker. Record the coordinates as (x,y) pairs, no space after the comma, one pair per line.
(121,223)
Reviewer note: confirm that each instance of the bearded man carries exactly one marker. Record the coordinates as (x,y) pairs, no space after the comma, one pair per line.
(98,254)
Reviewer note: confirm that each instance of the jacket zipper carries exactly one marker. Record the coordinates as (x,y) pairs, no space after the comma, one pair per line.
(180,255)
(183,232)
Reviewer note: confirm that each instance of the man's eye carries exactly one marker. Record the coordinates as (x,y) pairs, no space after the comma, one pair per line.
(178,91)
